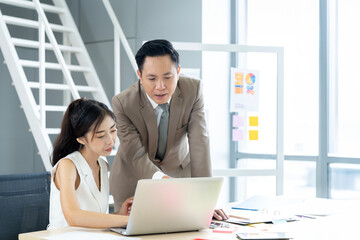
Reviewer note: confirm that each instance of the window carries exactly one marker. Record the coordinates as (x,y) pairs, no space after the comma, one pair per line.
(216,30)
(344,88)
(345,78)
(294,26)
(345,181)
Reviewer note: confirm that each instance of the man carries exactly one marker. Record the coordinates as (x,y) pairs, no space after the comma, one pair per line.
(161,124)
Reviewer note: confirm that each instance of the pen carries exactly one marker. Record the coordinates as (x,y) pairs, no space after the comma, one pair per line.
(243,218)
(304,216)
(247,209)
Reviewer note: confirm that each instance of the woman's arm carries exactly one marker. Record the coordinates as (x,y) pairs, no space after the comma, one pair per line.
(65,180)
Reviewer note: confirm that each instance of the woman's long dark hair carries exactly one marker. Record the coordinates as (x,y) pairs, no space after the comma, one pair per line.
(78,119)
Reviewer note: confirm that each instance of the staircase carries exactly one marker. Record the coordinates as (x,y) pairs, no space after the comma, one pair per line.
(60,39)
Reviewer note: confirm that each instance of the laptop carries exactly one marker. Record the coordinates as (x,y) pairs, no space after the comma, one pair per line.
(172,205)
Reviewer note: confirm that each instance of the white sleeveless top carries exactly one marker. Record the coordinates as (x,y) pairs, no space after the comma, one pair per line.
(88,194)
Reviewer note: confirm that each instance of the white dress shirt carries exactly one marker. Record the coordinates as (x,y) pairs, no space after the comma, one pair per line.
(158,111)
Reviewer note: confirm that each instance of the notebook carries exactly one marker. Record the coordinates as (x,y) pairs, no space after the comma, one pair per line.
(172,205)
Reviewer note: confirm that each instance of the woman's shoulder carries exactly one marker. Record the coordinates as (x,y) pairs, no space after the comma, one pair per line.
(66,165)
(77,159)
(65,169)
(74,155)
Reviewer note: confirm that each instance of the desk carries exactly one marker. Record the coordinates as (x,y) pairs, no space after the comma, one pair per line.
(342,223)
(206,233)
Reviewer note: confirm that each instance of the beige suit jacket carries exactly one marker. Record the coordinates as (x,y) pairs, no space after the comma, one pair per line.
(187,153)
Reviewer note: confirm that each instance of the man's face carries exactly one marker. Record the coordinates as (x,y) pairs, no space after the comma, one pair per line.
(159,78)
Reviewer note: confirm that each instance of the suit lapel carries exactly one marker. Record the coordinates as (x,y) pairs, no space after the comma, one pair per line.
(176,106)
(148,115)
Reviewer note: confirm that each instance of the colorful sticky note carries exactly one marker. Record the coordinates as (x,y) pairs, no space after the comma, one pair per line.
(253,121)
(238,121)
(253,135)
(237,135)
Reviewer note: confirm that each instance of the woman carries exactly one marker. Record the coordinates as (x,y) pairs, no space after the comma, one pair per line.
(79,178)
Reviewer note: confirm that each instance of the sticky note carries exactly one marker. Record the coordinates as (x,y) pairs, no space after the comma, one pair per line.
(237,135)
(238,121)
(253,121)
(253,135)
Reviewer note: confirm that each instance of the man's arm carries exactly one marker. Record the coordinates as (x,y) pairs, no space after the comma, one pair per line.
(199,139)
(131,149)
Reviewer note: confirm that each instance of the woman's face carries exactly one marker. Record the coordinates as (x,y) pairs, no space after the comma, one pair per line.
(101,142)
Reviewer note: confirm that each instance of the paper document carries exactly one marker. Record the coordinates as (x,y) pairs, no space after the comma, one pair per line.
(257,203)
(263,235)
(251,217)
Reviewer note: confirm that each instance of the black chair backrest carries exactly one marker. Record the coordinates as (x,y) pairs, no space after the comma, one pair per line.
(24,203)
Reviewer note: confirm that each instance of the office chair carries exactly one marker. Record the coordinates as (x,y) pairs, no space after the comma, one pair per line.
(24,203)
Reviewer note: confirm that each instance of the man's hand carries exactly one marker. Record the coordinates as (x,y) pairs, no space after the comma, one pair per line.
(166,176)
(126,206)
(219,214)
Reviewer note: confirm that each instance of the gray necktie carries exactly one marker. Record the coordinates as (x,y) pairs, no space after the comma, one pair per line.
(163,130)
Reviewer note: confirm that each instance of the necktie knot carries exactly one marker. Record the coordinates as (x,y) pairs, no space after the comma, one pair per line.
(164,107)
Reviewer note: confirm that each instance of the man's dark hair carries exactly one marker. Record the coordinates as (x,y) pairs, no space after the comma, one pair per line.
(154,48)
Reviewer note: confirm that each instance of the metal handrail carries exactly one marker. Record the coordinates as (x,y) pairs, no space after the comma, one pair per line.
(56,49)
(119,35)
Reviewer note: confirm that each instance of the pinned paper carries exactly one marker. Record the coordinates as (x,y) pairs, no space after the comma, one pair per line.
(253,135)
(238,121)
(244,87)
(253,121)
(237,135)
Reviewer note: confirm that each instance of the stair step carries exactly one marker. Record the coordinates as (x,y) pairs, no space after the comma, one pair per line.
(33,24)
(31,5)
(52,130)
(54,66)
(35,44)
(53,108)
(55,86)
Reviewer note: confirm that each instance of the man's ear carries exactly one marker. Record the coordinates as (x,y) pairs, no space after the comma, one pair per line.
(178,71)
(139,75)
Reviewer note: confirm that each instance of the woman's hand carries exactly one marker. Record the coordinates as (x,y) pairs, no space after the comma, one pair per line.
(126,206)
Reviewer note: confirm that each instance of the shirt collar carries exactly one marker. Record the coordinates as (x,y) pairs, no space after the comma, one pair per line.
(153,103)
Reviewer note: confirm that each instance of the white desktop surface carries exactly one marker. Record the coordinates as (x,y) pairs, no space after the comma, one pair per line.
(341,223)
(207,233)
